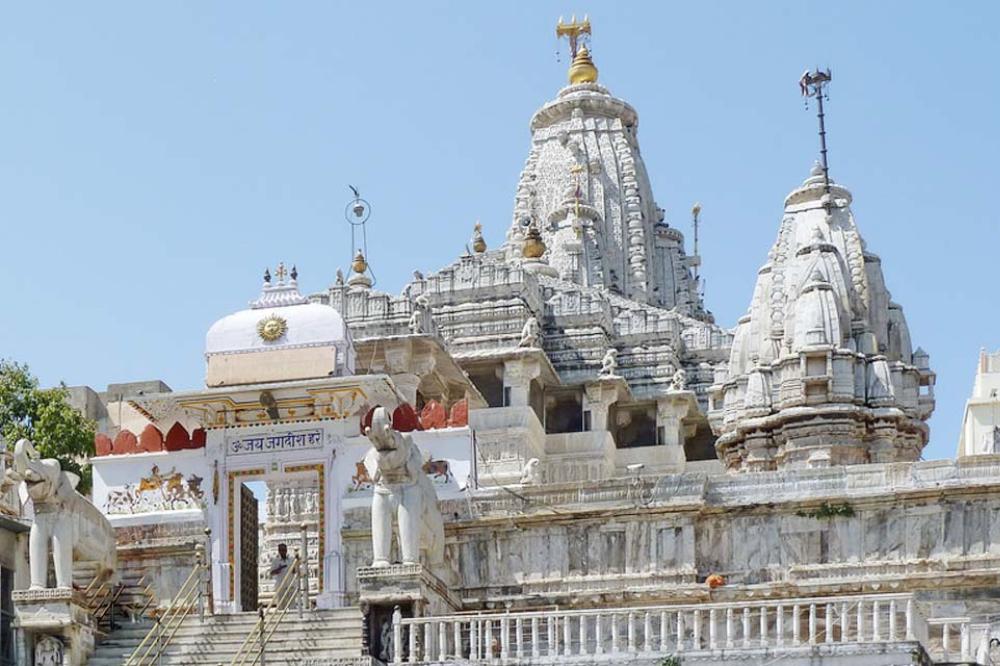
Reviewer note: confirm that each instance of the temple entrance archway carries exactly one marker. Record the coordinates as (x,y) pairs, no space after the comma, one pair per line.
(290,508)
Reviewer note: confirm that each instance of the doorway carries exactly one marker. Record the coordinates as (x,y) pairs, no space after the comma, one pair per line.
(266,509)
(249,526)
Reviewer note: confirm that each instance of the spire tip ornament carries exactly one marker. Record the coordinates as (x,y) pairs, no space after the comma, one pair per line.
(357,213)
(813,84)
(360,264)
(582,69)
(478,242)
(534,246)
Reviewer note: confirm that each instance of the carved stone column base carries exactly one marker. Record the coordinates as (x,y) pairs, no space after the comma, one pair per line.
(55,621)
(414,589)
(406,583)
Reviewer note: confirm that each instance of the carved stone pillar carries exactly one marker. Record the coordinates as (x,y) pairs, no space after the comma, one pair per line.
(55,627)
(760,451)
(517,376)
(600,395)
(883,443)
(670,413)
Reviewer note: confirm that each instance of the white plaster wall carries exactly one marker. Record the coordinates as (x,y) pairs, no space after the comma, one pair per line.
(115,472)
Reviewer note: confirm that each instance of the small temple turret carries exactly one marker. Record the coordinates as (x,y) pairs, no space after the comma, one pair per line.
(981,423)
(821,371)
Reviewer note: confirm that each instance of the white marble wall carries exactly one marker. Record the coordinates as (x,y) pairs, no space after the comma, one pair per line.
(929,527)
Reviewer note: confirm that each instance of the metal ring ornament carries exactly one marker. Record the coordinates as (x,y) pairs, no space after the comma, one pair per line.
(357,211)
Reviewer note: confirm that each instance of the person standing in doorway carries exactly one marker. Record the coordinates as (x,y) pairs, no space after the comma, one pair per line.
(280,565)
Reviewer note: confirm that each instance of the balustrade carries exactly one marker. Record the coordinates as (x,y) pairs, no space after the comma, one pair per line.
(562,635)
(950,639)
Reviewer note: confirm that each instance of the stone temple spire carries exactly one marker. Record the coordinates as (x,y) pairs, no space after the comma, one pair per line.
(584,187)
(821,370)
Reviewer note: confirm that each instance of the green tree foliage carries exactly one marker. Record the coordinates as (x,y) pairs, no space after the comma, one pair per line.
(46,418)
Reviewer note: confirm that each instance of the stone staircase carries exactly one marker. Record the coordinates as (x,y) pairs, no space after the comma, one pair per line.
(320,637)
(130,591)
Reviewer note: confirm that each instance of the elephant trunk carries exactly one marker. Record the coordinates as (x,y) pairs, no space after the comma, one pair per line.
(24,451)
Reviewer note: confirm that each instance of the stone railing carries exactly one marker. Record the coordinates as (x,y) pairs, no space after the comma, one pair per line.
(950,639)
(777,626)
(839,484)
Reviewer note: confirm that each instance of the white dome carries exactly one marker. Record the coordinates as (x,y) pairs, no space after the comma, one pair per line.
(306,325)
(279,322)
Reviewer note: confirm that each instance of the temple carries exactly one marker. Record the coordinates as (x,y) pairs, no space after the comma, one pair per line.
(544,452)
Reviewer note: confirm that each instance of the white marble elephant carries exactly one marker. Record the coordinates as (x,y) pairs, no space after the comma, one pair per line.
(402,494)
(63,517)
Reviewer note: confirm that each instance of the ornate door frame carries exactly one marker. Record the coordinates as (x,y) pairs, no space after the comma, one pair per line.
(236,478)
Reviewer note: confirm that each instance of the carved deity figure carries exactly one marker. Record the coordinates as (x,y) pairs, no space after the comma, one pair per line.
(421,309)
(532,474)
(530,334)
(679,381)
(402,492)
(63,517)
(48,651)
(609,364)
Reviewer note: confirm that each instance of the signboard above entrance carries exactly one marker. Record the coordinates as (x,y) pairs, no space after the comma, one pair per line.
(292,440)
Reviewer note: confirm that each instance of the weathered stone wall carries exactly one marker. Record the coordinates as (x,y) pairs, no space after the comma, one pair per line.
(161,556)
(931,527)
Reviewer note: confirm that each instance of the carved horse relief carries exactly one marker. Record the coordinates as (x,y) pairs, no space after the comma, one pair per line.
(157,492)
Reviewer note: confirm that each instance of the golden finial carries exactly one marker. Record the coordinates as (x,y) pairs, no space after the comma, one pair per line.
(478,242)
(582,70)
(360,265)
(534,246)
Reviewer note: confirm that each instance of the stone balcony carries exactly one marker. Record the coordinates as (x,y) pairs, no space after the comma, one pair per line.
(579,456)
(869,630)
(506,439)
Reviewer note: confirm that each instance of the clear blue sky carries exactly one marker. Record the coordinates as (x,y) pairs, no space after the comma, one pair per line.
(155,157)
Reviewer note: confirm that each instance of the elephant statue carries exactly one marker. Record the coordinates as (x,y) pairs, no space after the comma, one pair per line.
(63,517)
(402,492)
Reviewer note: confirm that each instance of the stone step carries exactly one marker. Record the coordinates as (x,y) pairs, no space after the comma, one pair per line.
(318,635)
(187,630)
(195,653)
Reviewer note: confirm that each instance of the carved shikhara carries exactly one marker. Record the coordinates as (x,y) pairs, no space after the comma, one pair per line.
(822,372)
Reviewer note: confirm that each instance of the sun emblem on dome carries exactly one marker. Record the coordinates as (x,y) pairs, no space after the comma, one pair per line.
(271,328)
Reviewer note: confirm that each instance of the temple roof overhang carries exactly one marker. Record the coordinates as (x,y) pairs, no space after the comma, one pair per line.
(547,373)
(441,376)
(270,403)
